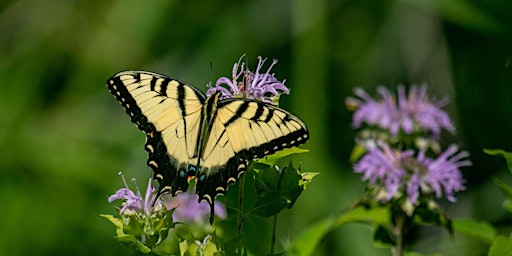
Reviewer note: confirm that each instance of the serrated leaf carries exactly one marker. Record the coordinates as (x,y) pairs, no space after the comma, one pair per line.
(276,190)
(269,204)
(481,230)
(503,153)
(307,177)
(501,246)
(267,180)
(307,242)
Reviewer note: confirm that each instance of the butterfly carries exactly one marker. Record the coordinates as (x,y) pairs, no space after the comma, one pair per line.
(192,136)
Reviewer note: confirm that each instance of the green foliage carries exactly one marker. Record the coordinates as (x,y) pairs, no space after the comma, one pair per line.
(63,138)
(276,190)
(478,229)
(502,153)
(501,246)
(306,244)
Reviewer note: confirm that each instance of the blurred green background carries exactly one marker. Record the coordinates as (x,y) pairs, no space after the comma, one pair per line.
(64,138)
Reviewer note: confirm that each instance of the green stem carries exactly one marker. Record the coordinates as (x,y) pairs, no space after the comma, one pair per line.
(398,232)
(274,233)
(240,219)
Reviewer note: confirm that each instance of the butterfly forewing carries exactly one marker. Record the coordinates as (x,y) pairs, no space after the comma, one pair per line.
(169,112)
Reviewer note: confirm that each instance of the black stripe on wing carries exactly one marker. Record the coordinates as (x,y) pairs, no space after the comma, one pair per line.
(293,139)
(118,88)
(218,180)
(171,176)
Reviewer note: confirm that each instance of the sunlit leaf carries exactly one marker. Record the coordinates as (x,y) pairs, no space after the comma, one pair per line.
(501,246)
(481,230)
(308,241)
(169,246)
(376,215)
(272,159)
(357,152)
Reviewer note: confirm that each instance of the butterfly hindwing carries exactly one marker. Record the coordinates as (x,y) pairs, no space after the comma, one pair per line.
(245,130)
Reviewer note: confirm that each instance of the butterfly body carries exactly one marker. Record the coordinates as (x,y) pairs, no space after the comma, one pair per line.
(191,136)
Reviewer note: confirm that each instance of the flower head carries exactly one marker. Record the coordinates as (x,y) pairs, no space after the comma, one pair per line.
(394,173)
(133,201)
(250,85)
(409,113)
(187,208)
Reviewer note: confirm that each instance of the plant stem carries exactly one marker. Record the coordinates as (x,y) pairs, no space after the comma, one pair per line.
(398,231)
(274,232)
(240,219)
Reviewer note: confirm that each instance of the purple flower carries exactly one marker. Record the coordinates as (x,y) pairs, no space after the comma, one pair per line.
(394,173)
(409,113)
(250,85)
(443,175)
(133,202)
(187,208)
(382,167)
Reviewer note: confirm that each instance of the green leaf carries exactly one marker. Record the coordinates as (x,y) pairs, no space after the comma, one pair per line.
(272,159)
(505,189)
(431,213)
(357,152)
(382,238)
(461,12)
(481,230)
(308,241)
(276,190)
(421,254)
(507,205)
(501,246)
(307,177)
(375,214)
(269,204)
(169,246)
(118,223)
(133,243)
(129,241)
(503,153)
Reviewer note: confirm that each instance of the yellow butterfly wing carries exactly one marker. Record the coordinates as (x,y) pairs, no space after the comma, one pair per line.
(169,112)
